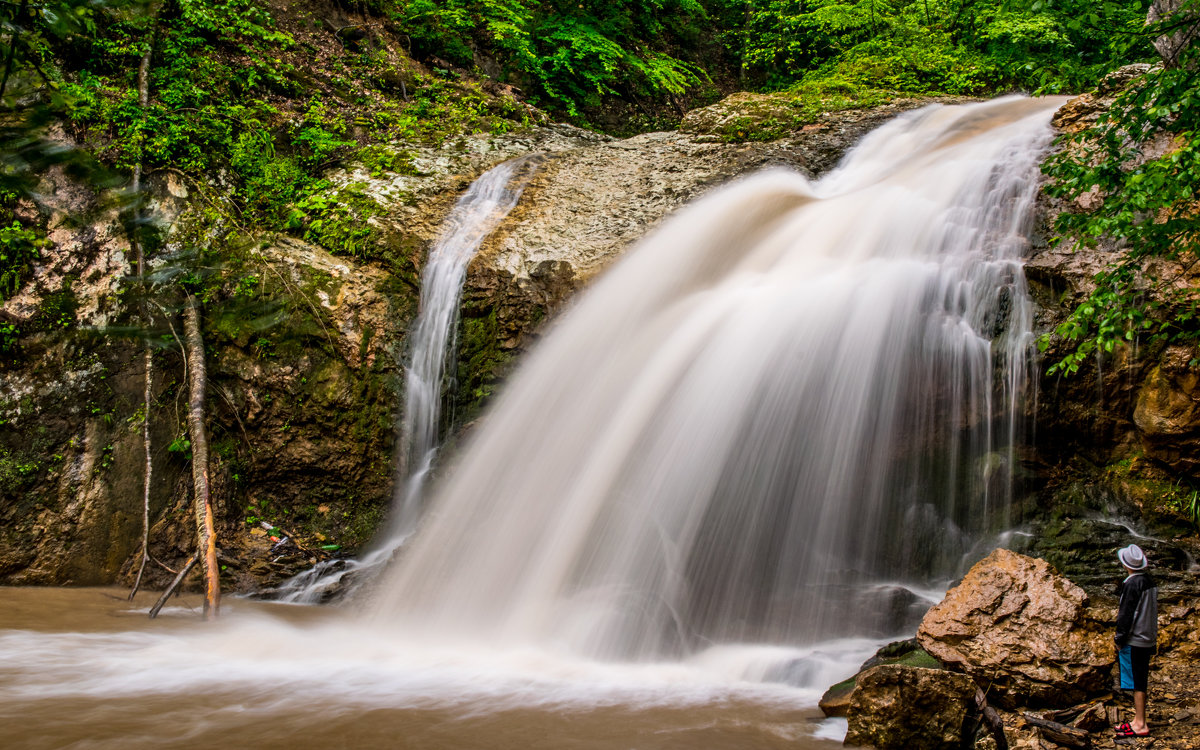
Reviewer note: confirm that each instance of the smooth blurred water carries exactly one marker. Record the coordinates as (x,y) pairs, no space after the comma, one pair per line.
(432,350)
(432,347)
(83,668)
(787,407)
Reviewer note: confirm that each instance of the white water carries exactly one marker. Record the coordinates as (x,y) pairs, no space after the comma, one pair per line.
(705,483)
(476,215)
(788,396)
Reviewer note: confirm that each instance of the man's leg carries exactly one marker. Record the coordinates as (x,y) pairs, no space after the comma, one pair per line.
(1139,712)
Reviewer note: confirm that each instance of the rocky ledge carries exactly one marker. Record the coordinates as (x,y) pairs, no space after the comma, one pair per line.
(1023,658)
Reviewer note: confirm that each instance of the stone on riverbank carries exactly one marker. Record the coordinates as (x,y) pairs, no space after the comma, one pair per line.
(896,706)
(1021,630)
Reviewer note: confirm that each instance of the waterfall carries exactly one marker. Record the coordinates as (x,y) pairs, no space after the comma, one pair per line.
(474,217)
(787,402)
(433,348)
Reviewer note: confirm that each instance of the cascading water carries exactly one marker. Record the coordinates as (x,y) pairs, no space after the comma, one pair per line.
(784,398)
(789,398)
(478,212)
(475,216)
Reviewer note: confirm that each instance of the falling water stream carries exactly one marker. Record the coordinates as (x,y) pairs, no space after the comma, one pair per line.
(757,446)
(432,350)
(477,214)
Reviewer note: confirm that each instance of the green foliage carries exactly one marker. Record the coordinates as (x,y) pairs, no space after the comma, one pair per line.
(57,311)
(926,63)
(573,57)
(1187,504)
(9,335)
(941,46)
(17,471)
(1146,207)
(182,446)
(336,219)
(568,55)
(20,246)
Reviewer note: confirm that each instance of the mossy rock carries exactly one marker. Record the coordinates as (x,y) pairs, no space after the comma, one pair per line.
(836,700)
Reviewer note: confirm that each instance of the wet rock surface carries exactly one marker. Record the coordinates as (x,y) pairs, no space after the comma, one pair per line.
(300,420)
(1140,400)
(898,707)
(1018,627)
(907,653)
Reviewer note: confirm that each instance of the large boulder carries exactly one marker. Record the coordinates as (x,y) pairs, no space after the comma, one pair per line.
(897,706)
(1021,630)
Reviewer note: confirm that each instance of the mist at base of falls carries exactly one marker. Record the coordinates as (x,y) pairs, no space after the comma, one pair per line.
(789,399)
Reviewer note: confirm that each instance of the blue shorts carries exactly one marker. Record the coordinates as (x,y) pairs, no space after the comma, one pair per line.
(1135,667)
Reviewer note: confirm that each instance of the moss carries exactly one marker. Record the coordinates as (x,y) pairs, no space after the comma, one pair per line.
(19,471)
(338,220)
(1169,506)
(364,344)
(481,360)
(774,116)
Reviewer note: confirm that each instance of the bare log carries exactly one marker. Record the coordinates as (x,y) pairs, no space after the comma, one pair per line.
(1060,733)
(158,605)
(205,528)
(992,719)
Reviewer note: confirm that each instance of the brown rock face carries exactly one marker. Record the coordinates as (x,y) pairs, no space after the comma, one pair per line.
(898,707)
(1167,411)
(1022,631)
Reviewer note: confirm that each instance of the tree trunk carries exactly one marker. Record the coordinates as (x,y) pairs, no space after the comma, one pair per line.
(1181,27)
(148,370)
(205,531)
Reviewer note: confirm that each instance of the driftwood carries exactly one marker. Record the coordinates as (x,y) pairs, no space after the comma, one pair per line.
(1074,713)
(158,605)
(1060,733)
(992,719)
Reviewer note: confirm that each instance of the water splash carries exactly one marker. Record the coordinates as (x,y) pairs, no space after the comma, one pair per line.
(788,395)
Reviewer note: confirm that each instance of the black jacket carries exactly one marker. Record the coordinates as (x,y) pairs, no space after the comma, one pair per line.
(1137,615)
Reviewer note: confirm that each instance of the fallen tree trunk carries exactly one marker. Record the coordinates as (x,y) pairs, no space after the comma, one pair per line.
(158,605)
(206,534)
(1060,733)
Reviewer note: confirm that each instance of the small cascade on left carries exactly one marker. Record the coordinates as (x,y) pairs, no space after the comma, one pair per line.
(432,352)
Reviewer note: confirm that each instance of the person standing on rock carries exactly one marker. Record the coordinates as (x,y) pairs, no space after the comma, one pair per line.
(1137,634)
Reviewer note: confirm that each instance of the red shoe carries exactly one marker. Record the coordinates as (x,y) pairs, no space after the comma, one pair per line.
(1125,730)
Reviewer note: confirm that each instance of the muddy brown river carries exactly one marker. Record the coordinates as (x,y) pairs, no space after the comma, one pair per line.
(83,668)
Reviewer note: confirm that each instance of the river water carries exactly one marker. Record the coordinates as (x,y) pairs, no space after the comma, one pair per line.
(83,668)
